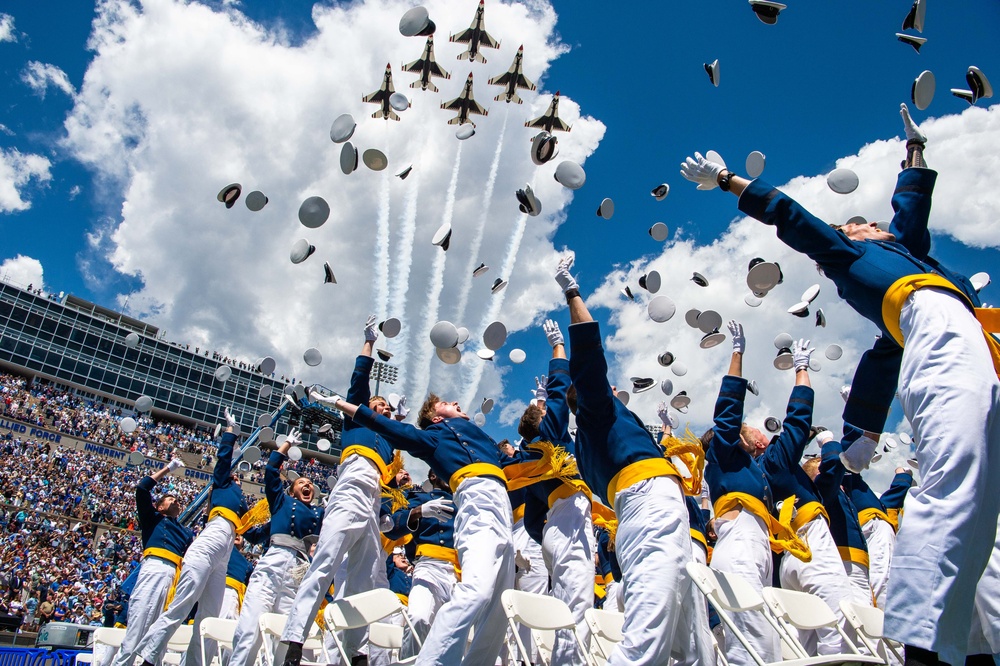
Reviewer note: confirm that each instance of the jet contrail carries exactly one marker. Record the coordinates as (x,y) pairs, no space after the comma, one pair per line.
(382,249)
(471,386)
(423,350)
(477,241)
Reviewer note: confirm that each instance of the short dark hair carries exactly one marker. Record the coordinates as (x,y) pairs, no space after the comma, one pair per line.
(571,398)
(706,438)
(158,504)
(530,420)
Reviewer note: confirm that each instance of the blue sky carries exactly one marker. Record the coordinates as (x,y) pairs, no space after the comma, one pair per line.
(113,214)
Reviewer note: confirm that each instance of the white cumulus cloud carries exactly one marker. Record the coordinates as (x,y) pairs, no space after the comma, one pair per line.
(40,76)
(182,99)
(963,148)
(23,271)
(7,33)
(16,171)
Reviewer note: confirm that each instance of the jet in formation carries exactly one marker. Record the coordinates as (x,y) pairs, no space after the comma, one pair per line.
(381,97)
(550,120)
(476,37)
(427,68)
(465,104)
(512,79)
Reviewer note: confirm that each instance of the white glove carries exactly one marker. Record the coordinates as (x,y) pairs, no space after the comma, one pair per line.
(859,454)
(385,523)
(522,562)
(401,409)
(371,329)
(845,392)
(294,437)
(440,509)
(801,353)
(175,464)
(329,401)
(913,132)
(541,392)
(663,411)
(553,333)
(565,280)
(230,419)
(739,339)
(823,437)
(699,170)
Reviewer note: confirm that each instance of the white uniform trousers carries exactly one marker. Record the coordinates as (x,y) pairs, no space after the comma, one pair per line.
(230,605)
(145,605)
(568,550)
(653,544)
(433,580)
(951,395)
(985,636)
(860,590)
(486,552)
(530,575)
(203,581)
(350,530)
(699,555)
(825,576)
(271,589)
(881,538)
(744,548)
(613,599)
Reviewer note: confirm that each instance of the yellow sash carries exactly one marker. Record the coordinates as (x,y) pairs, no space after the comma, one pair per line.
(251,518)
(518,513)
(174,559)
(806,513)
(690,451)
(605,517)
(555,463)
(405,599)
(855,555)
(700,538)
(365,452)
(241,590)
(389,544)
(639,471)
(441,553)
(867,515)
(568,488)
(894,516)
(895,298)
(475,469)
(781,534)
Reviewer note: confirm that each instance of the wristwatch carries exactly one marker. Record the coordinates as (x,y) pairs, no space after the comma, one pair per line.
(724,179)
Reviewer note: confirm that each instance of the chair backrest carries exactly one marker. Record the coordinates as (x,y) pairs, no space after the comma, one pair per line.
(362,609)
(537,611)
(385,635)
(109,636)
(725,589)
(605,628)
(866,620)
(272,623)
(799,609)
(181,638)
(219,630)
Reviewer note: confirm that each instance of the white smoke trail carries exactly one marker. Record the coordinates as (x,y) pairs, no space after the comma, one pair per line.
(382,249)
(471,386)
(423,350)
(477,241)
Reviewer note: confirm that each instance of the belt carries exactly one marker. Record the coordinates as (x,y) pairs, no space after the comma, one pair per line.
(518,513)
(697,535)
(441,553)
(555,463)
(174,559)
(242,523)
(639,471)
(780,532)
(293,543)
(865,516)
(475,469)
(896,295)
(241,590)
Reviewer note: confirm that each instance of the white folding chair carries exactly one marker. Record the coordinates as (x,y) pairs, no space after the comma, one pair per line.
(730,593)
(178,644)
(361,610)
(272,625)
(219,630)
(388,637)
(867,624)
(81,658)
(103,639)
(807,612)
(540,613)
(605,631)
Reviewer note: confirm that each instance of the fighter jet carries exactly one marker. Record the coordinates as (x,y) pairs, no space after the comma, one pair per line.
(550,121)
(512,79)
(476,37)
(427,67)
(464,104)
(381,96)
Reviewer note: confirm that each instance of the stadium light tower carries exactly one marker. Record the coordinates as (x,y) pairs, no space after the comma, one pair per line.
(384,372)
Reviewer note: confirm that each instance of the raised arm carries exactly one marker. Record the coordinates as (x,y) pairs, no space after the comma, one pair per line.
(831,470)
(273,490)
(555,424)
(894,496)
(401,435)
(787,449)
(729,405)
(874,386)
(222,474)
(912,199)
(144,500)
